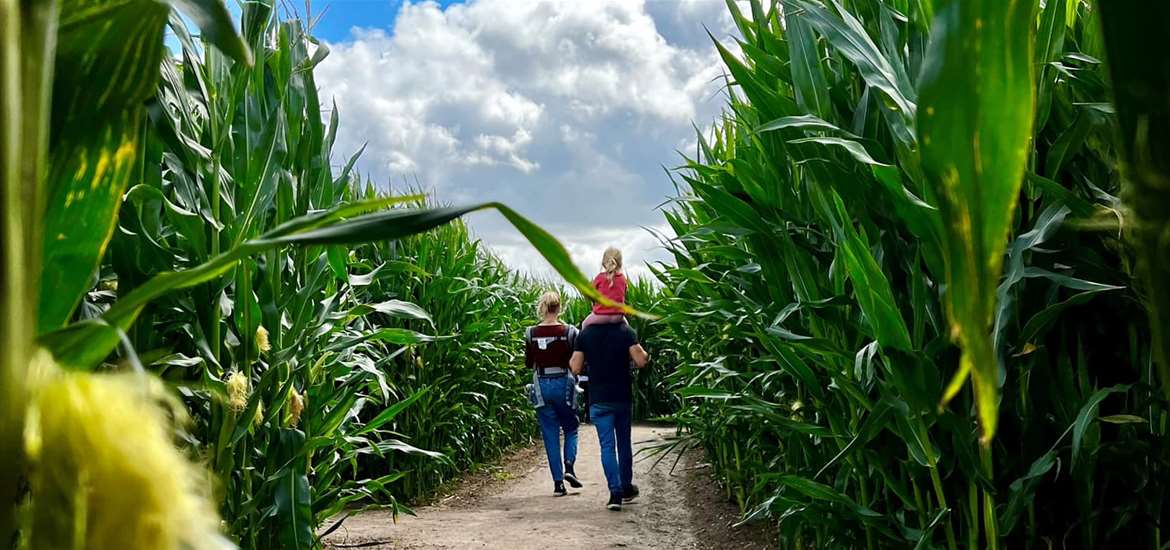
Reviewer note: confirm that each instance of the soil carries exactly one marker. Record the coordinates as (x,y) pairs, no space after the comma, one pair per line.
(511,506)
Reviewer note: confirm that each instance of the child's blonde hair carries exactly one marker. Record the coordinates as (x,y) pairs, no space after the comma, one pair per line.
(611,262)
(549,303)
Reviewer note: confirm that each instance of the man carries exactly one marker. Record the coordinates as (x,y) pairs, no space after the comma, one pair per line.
(609,349)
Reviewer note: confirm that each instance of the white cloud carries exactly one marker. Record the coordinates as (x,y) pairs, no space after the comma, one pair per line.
(638,245)
(564,110)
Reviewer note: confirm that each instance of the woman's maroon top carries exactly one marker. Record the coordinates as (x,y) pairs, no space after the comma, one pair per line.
(549,345)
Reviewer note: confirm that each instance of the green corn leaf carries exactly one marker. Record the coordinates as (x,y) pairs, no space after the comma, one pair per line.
(706,393)
(1068,143)
(108,56)
(1062,195)
(855,149)
(736,209)
(1123,419)
(337,415)
(812,89)
(870,284)
(397,336)
(390,413)
(821,492)
(803,122)
(71,345)
(293,499)
(1042,320)
(743,23)
(1023,489)
(974,123)
(1049,44)
(395,308)
(213,18)
(921,218)
(387,446)
(869,429)
(1087,415)
(108,59)
(847,35)
(774,415)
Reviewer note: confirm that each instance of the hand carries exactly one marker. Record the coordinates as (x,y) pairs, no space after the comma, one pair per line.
(639,355)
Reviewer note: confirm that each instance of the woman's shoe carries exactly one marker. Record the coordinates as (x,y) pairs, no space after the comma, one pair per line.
(559,489)
(571,476)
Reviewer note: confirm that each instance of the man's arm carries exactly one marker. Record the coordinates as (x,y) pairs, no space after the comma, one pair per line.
(577,362)
(639,355)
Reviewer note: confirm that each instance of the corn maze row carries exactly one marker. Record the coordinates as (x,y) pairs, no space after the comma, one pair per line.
(918,293)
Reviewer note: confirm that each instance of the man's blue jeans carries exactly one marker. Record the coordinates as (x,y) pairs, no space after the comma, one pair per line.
(554,416)
(617,451)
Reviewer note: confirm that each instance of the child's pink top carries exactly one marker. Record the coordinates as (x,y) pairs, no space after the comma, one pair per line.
(615,291)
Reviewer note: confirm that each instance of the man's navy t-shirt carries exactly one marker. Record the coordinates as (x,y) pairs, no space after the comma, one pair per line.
(607,351)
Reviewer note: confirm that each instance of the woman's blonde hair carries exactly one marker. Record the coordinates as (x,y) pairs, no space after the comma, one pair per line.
(611,262)
(549,304)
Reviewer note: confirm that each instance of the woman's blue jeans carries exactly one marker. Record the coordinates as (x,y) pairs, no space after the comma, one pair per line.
(617,450)
(556,415)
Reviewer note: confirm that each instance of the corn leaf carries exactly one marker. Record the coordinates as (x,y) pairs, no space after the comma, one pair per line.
(1087,415)
(974,124)
(293,497)
(812,89)
(85,344)
(108,58)
(845,33)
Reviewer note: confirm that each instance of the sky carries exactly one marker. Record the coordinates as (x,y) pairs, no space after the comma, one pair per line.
(565,110)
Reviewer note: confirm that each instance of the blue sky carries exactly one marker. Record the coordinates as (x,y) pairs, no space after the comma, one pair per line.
(566,110)
(343,15)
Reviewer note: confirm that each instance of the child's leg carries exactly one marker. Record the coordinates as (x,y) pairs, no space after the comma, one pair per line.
(595,319)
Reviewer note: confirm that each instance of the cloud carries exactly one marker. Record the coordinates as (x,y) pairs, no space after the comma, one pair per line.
(586,249)
(566,111)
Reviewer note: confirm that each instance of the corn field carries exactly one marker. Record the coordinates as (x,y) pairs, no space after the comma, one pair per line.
(203,319)
(917,296)
(900,198)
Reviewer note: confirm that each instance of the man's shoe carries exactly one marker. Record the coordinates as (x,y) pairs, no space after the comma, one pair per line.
(615,502)
(559,489)
(571,476)
(630,493)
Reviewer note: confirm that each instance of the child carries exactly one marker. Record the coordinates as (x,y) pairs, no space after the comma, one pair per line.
(611,283)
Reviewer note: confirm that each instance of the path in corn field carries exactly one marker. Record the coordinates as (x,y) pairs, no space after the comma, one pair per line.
(682,509)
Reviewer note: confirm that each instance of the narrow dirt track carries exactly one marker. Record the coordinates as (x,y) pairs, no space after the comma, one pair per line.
(524,515)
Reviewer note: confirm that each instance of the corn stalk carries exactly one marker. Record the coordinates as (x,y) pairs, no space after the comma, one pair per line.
(890,177)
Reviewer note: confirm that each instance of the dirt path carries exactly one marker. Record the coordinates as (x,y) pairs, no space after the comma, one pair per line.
(674,511)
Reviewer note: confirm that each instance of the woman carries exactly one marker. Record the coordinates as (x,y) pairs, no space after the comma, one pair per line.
(547,349)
